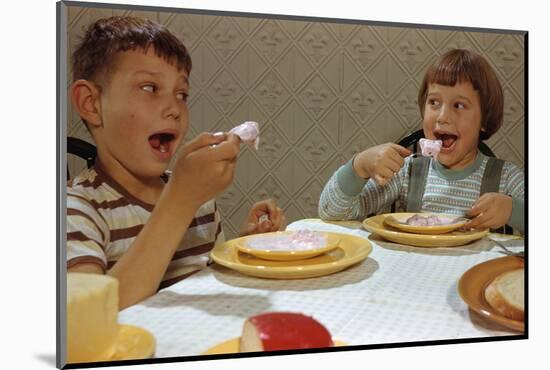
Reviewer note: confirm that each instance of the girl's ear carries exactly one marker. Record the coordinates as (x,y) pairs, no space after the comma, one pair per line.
(85,97)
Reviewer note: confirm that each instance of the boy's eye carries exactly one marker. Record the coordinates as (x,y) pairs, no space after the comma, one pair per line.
(149,88)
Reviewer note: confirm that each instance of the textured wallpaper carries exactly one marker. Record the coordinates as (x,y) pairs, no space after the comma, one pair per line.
(321,92)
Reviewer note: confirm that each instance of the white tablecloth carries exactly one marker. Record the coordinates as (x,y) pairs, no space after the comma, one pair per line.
(398,294)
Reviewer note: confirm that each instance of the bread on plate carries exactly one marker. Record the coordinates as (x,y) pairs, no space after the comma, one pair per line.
(506,294)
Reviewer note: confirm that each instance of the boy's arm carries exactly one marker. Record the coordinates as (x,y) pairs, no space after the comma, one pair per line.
(141,269)
(199,175)
(90,268)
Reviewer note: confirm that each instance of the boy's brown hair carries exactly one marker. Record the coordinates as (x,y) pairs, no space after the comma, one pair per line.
(458,66)
(95,56)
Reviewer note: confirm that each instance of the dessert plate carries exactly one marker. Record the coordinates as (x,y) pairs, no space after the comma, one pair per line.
(449,223)
(473,283)
(133,343)
(377,225)
(350,250)
(278,246)
(232,346)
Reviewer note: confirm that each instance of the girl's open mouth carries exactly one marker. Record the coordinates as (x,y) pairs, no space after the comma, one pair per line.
(162,142)
(447,140)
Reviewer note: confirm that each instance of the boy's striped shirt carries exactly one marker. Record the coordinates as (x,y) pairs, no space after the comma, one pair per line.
(103,220)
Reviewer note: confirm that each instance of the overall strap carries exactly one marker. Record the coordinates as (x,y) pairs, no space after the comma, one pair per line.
(490,182)
(417,182)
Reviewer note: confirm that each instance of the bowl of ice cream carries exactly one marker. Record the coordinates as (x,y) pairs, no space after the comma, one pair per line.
(425,223)
(288,245)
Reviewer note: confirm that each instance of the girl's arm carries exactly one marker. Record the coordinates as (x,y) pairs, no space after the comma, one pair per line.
(346,196)
(515,187)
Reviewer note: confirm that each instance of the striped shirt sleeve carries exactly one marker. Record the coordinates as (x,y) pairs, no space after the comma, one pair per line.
(512,184)
(87,233)
(193,253)
(346,196)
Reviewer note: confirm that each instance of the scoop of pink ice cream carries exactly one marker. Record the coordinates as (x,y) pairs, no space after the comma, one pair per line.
(430,148)
(249,132)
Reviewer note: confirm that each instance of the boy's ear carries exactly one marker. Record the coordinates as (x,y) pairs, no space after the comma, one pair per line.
(85,97)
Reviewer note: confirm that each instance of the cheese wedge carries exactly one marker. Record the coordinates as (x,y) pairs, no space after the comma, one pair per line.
(283,330)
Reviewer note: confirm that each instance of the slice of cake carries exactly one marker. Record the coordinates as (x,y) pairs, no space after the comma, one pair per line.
(283,330)
(92,313)
(506,294)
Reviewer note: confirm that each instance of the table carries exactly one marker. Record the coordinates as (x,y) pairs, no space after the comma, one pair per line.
(398,294)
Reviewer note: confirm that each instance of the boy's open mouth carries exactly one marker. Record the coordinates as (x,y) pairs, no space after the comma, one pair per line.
(161,141)
(447,139)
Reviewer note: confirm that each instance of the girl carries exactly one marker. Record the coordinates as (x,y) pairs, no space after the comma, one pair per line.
(461,103)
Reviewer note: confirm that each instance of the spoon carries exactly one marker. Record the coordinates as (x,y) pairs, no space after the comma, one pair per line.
(507,251)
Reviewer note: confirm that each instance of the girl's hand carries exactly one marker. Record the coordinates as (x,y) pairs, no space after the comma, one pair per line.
(264,217)
(380,162)
(491,210)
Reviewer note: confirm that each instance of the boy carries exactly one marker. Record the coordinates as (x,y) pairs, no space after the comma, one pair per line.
(125,217)
(461,103)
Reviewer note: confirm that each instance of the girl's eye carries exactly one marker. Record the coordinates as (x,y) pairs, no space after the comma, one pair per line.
(433,102)
(182,96)
(150,88)
(459,106)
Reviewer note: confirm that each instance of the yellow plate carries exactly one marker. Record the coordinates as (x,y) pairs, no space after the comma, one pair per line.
(132,343)
(350,250)
(285,255)
(232,346)
(398,220)
(473,283)
(377,225)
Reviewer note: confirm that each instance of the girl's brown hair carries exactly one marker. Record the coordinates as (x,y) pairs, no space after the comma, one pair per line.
(459,66)
(95,56)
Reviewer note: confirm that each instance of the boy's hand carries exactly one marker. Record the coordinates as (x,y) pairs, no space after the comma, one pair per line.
(264,217)
(380,162)
(205,167)
(491,210)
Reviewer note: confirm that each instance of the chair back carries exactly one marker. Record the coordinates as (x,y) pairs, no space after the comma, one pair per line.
(81,149)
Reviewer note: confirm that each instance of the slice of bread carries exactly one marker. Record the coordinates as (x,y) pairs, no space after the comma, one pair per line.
(506,294)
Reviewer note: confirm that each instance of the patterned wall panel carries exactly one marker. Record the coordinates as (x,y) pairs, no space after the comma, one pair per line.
(321,92)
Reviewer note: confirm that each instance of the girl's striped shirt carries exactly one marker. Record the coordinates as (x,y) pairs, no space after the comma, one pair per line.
(346,196)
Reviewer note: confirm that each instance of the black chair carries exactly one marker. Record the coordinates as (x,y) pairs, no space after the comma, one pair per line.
(411,140)
(81,149)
